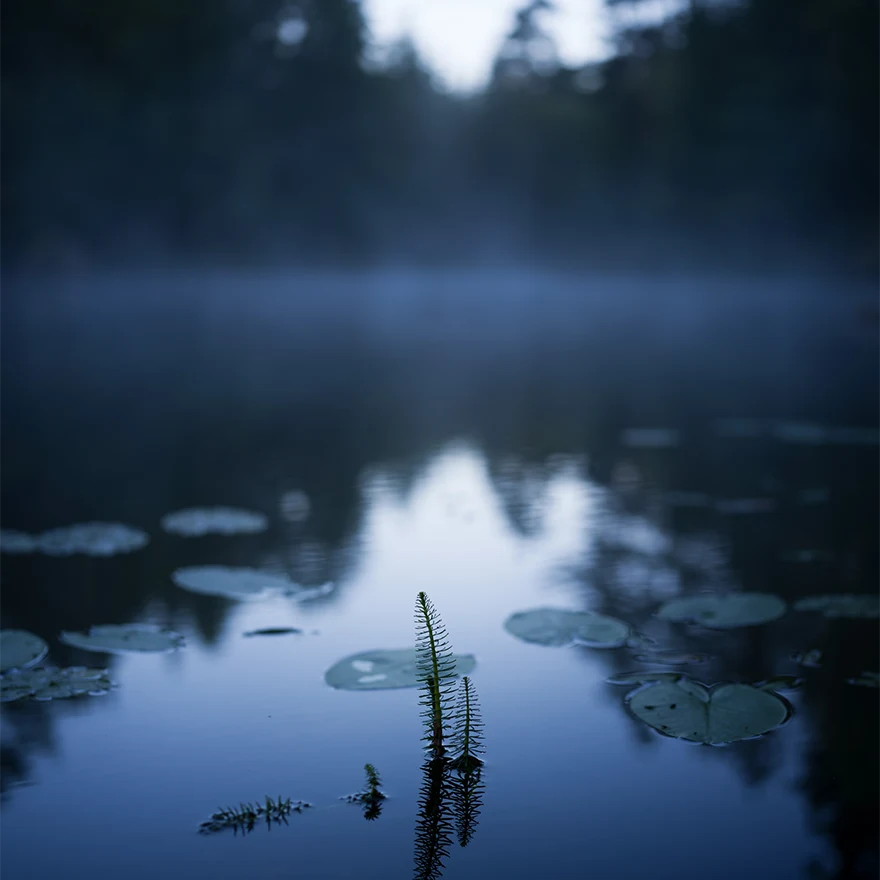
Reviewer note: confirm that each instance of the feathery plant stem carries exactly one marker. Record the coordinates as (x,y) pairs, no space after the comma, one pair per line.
(436,667)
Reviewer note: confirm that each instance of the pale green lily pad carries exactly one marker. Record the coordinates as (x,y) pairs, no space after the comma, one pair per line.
(92,539)
(724,612)
(130,638)
(556,626)
(851,605)
(385,670)
(20,648)
(866,679)
(643,677)
(723,713)
(53,684)
(233,583)
(196,521)
(13,541)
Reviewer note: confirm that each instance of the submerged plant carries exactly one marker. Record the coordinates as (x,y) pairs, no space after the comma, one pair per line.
(436,667)
(245,816)
(371,797)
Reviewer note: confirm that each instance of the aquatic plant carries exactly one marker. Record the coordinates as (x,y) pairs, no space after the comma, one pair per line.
(467,799)
(436,669)
(371,797)
(467,729)
(243,817)
(434,825)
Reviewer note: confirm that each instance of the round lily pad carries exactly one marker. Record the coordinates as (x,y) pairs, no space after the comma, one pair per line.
(12,541)
(129,638)
(385,670)
(724,713)
(20,648)
(197,521)
(554,626)
(233,583)
(53,684)
(670,658)
(724,612)
(92,539)
(842,605)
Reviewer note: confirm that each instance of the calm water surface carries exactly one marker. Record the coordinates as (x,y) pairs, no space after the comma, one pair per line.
(466,436)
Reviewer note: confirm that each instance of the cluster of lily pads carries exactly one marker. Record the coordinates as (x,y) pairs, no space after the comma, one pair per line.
(21,651)
(673,703)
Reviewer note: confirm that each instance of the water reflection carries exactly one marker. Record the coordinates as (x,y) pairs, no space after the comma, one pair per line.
(487,469)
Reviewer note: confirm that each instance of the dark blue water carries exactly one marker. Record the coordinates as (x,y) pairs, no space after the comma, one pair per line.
(465,436)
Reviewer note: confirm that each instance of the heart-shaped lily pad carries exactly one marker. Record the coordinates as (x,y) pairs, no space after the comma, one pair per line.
(124,639)
(13,541)
(20,648)
(842,605)
(556,626)
(197,521)
(385,670)
(724,612)
(233,583)
(53,684)
(724,713)
(92,539)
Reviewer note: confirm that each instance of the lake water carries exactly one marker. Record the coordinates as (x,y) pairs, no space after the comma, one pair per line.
(503,443)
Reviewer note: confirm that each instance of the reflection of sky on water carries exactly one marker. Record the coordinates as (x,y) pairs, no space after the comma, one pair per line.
(573,784)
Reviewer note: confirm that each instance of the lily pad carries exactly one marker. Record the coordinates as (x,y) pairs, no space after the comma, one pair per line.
(233,583)
(781,683)
(12,541)
(295,506)
(723,713)
(273,631)
(126,639)
(670,658)
(851,605)
(650,438)
(724,612)
(20,648)
(385,670)
(53,684)
(643,677)
(92,539)
(866,679)
(554,626)
(196,521)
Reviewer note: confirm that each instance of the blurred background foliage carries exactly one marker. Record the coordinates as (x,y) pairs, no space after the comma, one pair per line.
(159,132)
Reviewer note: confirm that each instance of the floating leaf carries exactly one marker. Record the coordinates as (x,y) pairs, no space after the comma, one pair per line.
(643,677)
(866,679)
(92,539)
(20,648)
(381,670)
(670,658)
(724,612)
(53,684)
(812,659)
(233,583)
(307,594)
(12,541)
(780,683)
(273,631)
(650,438)
(723,713)
(553,626)
(863,605)
(124,639)
(295,506)
(196,521)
